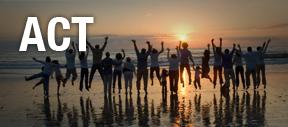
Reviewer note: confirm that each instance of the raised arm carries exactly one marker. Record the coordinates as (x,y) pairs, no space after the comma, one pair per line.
(220,39)
(39,61)
(135,47)
(168,53)
(179,46)
(105,44)
(149,48)
(233,50)
(124,55)
(162,47)
(239,48)
(89,45)
(87,52)
(213,46)
(265,49)
(73,46)
(208,46)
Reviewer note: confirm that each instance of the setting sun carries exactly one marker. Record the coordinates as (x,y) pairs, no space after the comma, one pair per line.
(182,37)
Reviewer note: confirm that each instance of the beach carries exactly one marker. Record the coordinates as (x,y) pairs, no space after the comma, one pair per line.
(22,106)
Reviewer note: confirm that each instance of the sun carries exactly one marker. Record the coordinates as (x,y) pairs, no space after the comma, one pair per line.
(182,37)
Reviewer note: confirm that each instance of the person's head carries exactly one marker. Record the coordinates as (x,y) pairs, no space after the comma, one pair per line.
(107,54)
(128,59)
(185,45)
(173,56)
(226,51)
(70,51)
(154,50)
(48,59)
(259,48)
(55,61)
(81,55)
(206,53)
(97,46)
(249,49)
(118,56)
(218,50)
(143,50)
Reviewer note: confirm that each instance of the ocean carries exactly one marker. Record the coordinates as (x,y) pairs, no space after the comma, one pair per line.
(11,58)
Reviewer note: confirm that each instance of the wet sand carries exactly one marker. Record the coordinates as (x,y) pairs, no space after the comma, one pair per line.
(22,106)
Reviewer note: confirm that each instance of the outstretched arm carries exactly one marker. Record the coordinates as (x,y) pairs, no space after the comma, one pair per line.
(135,46)
(265,49)
(220,42)
(213,46)
(89,45)
(162,47)
(123,54)
(149,48)
(168,53)
(39,61)
(105,44)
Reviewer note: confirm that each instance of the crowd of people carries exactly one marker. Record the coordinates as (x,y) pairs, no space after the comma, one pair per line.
(111,70)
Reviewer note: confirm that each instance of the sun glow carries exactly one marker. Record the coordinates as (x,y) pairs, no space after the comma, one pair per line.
(182,37)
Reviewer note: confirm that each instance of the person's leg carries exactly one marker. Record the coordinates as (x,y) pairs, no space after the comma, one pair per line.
(152,69)
(114,80)
(171,79)
(220,69)
(34,76)
(145,79)
(38,83)
(181,73)
(46,85)
(176,80)
(258,78)
(227,79)
(241,70)
(237,70)
(263,70)
(105,83)
(255,82)
(119,80)
(199,83)
(74,75)
(195,83)
(81,79)
(109,83)
(232,75)
(86,72)
(93,70)
(158,74)
(248,72)
(139,76)
(130,82)
(215,76)
(126,80)
(58,80)
(189,72)
(100,70)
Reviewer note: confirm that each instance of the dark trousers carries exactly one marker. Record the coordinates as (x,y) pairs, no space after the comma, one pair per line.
(253,73)
(93,70)
(240,73)
(84,76)
(173,77)
(217,70)
(116,74)
(157,70)
(142,73)
(187,66)
(261,73)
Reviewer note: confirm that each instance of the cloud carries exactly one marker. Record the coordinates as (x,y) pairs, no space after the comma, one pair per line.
(276,26)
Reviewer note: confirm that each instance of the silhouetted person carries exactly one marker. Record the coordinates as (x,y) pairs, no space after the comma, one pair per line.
(84,69)
(45,74)
(58,75)
(217,69)
(261,63)
(173,70)
(205,64)
(239,69)
(251,61)
(107,64)
(227,61)
(155,63)
(142,71)
(128,71)
(118,69)
(70,55)
(185,56)
(97,59)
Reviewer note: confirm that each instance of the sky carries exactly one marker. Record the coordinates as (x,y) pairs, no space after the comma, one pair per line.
(197,18)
